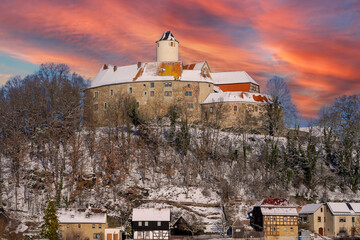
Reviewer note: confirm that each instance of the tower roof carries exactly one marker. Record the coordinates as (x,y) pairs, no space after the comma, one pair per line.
(168,36)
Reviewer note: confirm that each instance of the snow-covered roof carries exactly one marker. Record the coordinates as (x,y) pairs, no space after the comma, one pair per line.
(343,208)
(151,214)
(237,97)
(279,211)
(150,71)
(232,77)
(167,36)
(93,215)
(355,207)
(310,208)
(194,66)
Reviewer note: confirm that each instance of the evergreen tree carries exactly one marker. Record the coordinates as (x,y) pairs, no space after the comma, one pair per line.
(50,227)
(128,233)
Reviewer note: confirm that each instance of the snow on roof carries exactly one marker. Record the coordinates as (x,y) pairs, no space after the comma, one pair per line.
(339,208)
(81,215)
(310,208)
(151,214)
(194,66)
(276,211)
(167,36)
(232,77)
(355,207)
(151,71)
(237,97)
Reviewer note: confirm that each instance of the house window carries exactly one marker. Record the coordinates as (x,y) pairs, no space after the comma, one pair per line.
(146,224)
(285,219)
(147,234)
(158,223)
(111,92)
(152,93)
(321,209)
(96,236)
(291,219)
(274,229)
(189,85)
(130,90)
(291,229)
(93,226)
(268,218)
(79,225)
(139,224)
(274,219)
(188,93)
(190,105)
(168,84)
(211,109)
(168,93)
(324,219)
(67,225)
(105,105)
(319,219)
(145,93)
(305,219)
(342,219)
(285,229)
(96,94)
(152,85)
(99,225)
(235,108)
(353,219)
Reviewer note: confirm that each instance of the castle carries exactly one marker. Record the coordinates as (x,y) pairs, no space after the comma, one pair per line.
(227,99)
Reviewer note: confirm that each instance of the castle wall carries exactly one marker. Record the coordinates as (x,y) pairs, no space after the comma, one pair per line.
(245,115)
(153,98)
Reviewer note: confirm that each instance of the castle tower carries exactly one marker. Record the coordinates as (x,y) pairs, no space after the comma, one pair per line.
(167,48)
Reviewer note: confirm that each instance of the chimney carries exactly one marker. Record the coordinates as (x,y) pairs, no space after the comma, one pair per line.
(115,68)
(139,65)
(105,67)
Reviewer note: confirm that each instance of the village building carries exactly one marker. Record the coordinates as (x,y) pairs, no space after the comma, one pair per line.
(87,223)
(313,216)
(228,99)
(151,223)
(276,217)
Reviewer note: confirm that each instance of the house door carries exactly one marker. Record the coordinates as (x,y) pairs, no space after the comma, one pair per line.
(116,236)
(109,236)
(321,231)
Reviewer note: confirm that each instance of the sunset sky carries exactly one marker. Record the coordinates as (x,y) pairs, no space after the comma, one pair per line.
(314,45)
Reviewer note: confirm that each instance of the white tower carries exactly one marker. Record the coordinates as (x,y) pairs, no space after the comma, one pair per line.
(167,48)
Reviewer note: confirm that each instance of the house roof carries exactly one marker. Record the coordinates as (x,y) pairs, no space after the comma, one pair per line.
(151,214)
(93,215)
(232,77)
(167,36)
(222,97)
(277,207)
(310,208)
(343,208)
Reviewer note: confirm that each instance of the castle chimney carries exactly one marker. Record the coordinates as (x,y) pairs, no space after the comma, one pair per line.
(139,65)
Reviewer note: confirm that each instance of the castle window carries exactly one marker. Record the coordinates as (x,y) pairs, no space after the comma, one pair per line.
(111,92)
(105,105)
(152,85)
(190,105)
(168,84)
(321,209)
(130,90)
(168,93)
(235,108)
(319,219)
(172,44)
(188,93)
(145,93)
(96,94)
(152,93)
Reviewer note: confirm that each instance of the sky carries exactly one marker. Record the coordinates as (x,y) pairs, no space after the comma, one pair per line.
(314,45)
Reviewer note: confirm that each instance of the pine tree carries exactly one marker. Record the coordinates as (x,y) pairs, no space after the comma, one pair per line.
(50,227)
(128,233)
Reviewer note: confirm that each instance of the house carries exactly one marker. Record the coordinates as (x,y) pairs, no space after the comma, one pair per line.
(181,228)
(313,216)
(151,223)
(228,99)
(342,219)
(113,233)
(276,217)
(87,223)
